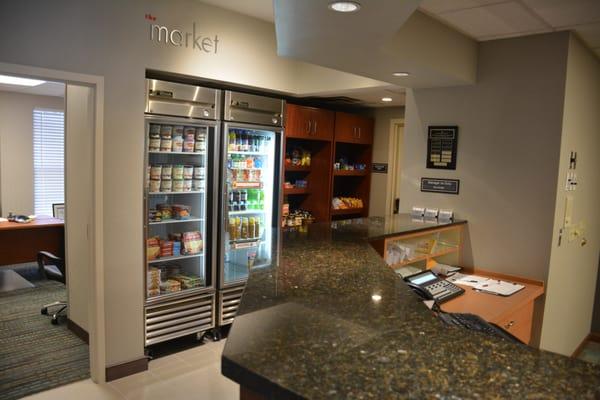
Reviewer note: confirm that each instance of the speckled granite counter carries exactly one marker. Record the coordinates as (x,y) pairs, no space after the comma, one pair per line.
(308,328)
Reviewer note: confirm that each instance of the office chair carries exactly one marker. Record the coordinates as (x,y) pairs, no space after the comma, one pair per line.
(53,268)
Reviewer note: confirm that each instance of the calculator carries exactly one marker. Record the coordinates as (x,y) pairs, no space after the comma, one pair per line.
(431,287)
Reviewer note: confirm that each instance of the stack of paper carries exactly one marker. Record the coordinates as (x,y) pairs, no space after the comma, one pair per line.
(485,284)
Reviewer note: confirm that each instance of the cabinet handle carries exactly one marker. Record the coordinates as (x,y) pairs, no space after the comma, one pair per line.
(315,128)
(309,121)
(509,325)
(354,132)
(359,132)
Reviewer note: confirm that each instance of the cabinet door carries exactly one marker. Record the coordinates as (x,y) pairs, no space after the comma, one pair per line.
(346,128)
(298,122)
(322,124)
(365,130)
(519,323)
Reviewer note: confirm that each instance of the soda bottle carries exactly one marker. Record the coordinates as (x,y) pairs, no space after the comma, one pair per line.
(261,200)
(231,140)
(238,141)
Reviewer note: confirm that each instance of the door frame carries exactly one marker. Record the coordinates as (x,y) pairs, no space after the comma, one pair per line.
(395,144)
(97,342)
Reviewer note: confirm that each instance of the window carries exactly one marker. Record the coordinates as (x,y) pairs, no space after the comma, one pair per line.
(48,160)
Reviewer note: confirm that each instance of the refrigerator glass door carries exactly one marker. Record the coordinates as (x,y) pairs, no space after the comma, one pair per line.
(249,190)
(176,195)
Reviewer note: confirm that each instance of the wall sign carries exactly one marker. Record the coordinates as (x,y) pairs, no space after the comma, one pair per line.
(193,38)
(435,185)
(380,168)
(441,147)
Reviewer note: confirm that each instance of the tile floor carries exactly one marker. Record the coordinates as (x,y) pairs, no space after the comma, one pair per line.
(591,352)
(193,373)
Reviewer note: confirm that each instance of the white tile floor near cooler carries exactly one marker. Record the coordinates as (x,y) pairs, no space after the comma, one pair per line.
(190,374)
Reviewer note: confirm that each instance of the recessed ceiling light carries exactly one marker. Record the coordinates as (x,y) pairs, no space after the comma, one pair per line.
(344,6)
(386,99)
(401,74)
(376,297)
(13,80)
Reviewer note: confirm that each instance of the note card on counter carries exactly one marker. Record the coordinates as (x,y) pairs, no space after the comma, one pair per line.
(501,288)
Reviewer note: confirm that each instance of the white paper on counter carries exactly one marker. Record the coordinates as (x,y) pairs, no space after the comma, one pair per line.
(468,280)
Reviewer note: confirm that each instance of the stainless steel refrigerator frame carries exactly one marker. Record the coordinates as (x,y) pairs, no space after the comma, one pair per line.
(229,294)
(181,311)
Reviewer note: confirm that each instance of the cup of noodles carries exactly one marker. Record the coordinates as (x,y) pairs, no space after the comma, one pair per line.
(188,143)
(155,171)
(154,144)
(198,172)
(155,185)
(165,186)
(177,143)
(177,171)
(187,185)
(188,171)
(166,171)
(166,145)
(178,185)
(198,184)
(154,131)
(178,130)
(166,131)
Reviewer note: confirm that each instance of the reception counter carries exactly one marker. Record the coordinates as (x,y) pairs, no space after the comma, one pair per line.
(331,320)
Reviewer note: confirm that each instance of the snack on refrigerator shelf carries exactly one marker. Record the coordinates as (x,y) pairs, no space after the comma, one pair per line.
(181,211)
(192,242)
(152,248)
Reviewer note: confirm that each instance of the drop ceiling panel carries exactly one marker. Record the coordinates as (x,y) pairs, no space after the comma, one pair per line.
(562,13)
(495,20)
(441,6)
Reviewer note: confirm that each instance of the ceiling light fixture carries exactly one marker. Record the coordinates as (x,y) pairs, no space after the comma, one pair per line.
(376,298)
(401,74)
(386,99)
(13,80)
(344,6)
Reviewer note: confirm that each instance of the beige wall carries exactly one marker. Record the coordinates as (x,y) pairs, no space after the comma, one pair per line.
(508,148)
(16,149)
(381,147)
(106,39)
(573,267)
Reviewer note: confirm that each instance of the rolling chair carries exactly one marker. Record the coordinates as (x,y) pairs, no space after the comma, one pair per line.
(53,268)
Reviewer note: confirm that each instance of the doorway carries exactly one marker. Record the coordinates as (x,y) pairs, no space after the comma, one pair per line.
(83,113)
(396,146)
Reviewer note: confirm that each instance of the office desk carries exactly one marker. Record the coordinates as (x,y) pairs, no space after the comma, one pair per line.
(513,313)
(20,243)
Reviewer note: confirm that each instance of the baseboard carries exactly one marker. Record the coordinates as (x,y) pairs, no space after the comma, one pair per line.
(126,369)
(78,331)
(594,337)
(579,348)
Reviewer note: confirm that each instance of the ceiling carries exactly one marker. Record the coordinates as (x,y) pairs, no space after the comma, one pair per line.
(45,89)
(496,19)
(481,20)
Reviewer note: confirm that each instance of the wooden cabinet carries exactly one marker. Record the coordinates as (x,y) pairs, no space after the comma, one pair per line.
(350,128)
(309,123)
(519,323)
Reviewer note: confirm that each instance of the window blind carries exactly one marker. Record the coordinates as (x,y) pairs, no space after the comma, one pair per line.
(48,159)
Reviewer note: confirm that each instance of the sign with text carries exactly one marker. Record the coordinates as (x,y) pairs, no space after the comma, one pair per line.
(192,38)
(441,147)
(435,185)
(380,168)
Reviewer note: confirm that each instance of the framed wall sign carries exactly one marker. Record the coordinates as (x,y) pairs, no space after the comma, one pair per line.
(380,168)
(442,143)
(435,185)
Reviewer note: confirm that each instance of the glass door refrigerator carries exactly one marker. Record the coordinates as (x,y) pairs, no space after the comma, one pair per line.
(180,199)
(250,192)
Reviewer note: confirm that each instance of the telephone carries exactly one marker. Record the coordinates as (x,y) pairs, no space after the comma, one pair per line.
(430,287)
(22,219)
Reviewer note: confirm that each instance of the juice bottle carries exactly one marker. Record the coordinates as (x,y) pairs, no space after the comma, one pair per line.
(249,162)
(257,227)
(244,228)
(251,227)
(232,229)
(238,228)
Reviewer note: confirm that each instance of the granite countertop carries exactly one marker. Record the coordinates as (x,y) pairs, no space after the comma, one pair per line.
(308,327)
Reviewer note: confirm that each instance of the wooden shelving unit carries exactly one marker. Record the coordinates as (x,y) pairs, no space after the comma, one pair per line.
(328,135)
(293,191)
(346,211)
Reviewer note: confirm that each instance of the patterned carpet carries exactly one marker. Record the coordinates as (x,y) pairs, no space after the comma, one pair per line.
(34,354)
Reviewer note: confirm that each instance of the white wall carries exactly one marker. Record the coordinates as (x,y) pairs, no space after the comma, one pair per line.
(381,146)
(16,149)
(79,131)
(508,148)
(573,267)
(108,39)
